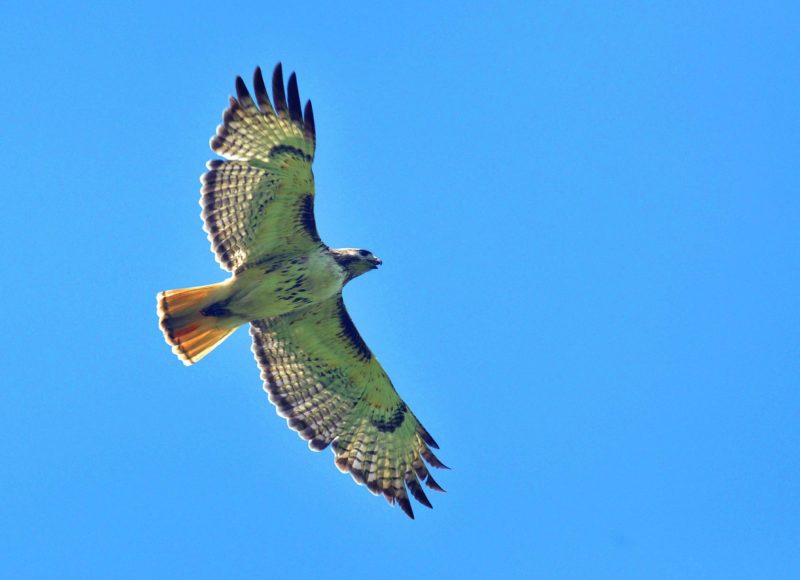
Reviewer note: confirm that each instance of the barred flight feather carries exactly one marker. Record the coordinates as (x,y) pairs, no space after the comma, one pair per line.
(267,166)
(318,379)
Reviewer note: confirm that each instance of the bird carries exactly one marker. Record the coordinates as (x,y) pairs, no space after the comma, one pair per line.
(258,213)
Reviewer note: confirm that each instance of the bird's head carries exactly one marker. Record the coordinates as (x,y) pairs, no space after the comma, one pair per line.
(355,261)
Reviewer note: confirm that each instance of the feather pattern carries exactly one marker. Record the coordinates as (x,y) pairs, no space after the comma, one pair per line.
(278,94)
(258,200)
(258,210)
(261,93)
(315,373)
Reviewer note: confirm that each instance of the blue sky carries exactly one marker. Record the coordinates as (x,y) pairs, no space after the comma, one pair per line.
(589,221)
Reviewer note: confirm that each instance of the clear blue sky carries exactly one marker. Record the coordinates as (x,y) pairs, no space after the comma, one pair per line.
(590,228)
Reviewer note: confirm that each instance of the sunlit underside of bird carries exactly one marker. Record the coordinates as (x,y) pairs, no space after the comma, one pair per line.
(258,212)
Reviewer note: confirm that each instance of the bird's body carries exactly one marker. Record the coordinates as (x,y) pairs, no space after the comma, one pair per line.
(258,210)
(286,283)
(279,285)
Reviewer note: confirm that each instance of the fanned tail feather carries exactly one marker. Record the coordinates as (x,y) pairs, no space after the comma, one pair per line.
(191,333)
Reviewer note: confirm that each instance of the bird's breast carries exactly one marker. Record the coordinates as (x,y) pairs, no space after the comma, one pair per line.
(284,284)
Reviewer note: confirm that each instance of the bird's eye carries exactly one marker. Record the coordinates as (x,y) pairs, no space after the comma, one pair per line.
(363,253)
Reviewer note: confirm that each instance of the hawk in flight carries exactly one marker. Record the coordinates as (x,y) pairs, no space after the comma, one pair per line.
(258,212)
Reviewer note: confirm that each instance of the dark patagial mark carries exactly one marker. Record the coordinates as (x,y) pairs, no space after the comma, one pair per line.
(350,332)
(391,424)
(307,219)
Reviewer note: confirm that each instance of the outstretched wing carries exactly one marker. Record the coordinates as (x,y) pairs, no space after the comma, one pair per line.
(261,200)
(323,379)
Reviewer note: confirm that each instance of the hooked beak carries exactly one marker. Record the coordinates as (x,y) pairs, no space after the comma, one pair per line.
(377,261)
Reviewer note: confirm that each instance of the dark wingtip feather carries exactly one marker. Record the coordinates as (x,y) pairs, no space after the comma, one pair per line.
(430,482)
(405,505)
(241,90)
(432,459)
(295,111)
(416,490)
(427,437)
(262,98)
(278,92)
(308,121)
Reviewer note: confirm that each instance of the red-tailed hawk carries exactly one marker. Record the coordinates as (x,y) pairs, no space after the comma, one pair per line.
(258,212)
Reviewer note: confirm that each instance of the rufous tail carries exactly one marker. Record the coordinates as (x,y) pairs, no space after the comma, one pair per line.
(191,333)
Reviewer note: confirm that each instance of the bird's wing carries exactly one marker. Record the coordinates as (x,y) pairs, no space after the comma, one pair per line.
(324,380)
(260,200)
